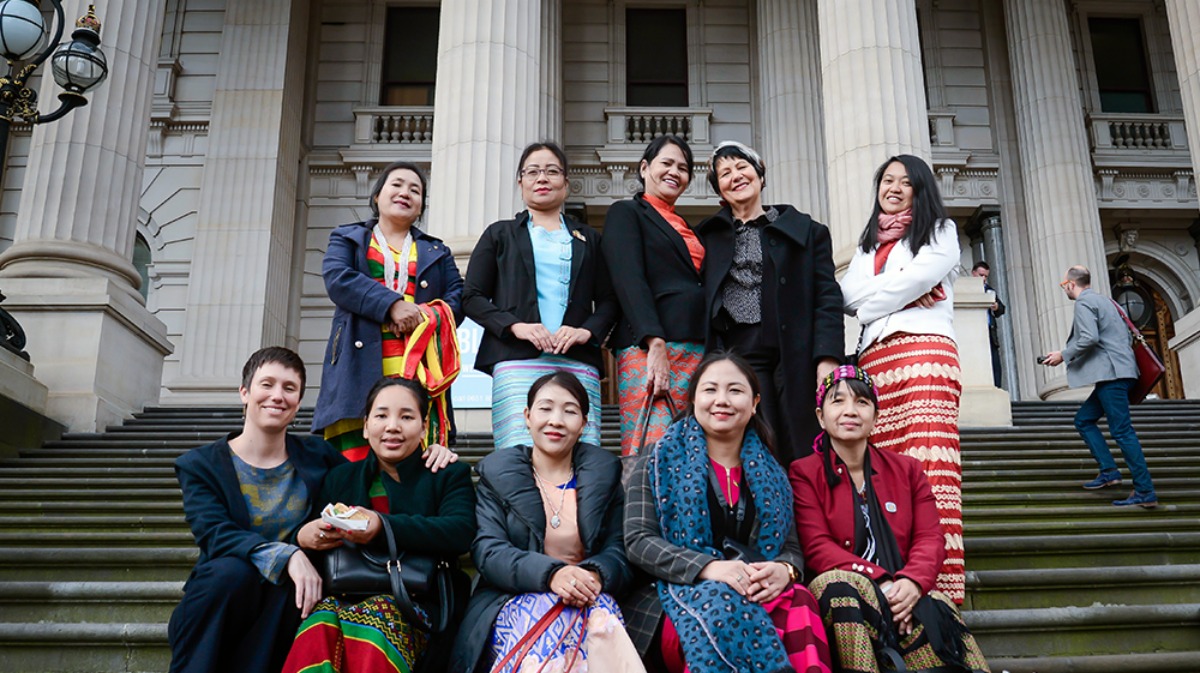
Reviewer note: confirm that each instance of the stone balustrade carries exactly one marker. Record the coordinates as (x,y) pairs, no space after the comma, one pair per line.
(640,125)
(1113,131)
(394,125)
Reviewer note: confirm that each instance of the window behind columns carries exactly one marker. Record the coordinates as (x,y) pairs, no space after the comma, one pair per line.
(656,58)
(1122,70)
(409,56)
(141,262)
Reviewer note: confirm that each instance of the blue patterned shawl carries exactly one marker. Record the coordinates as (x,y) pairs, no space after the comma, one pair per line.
(719,629)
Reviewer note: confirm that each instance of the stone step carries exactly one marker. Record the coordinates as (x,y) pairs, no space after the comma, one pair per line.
(63,647)
(1092,630)
(103,539)
(91,521)
(1153,522)
(1155,662)
(1069,493)
(1036,515)
(1092,550)
(97,564)
(1080,587)
(88,602)
(38,508)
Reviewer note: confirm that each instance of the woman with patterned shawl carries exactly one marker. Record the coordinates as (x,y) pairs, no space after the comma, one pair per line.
(430,513)
(900,285)
(397,296)
(709,518)
(549,549)
(869,527)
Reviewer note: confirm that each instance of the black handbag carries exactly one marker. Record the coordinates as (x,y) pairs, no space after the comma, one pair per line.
(356,571)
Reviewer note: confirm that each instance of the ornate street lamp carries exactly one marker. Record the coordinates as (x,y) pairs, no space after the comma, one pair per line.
(78,66)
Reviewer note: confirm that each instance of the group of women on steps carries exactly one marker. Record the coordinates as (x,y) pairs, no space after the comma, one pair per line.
(753,526)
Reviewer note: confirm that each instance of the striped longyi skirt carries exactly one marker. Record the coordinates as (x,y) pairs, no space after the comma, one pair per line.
(920,385)
(510,389)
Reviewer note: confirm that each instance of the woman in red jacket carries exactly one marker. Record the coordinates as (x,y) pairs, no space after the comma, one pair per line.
(869,528)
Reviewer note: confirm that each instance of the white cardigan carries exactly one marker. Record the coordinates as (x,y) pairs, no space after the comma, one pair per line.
(878,301)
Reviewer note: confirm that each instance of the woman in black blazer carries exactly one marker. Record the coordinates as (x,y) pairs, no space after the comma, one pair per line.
(539,287)
(656,262)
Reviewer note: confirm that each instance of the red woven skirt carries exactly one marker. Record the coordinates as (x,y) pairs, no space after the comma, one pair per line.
(920,385)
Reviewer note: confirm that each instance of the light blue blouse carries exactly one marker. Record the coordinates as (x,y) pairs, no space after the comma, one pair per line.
(552,264)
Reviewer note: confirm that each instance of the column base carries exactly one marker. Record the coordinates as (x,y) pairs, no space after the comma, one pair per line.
(983,405)
(22,407)
(1186,345)
(217,391)
(96,348)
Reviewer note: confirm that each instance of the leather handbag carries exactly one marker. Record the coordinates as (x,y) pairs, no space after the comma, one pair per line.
(1150,366)
(356,571)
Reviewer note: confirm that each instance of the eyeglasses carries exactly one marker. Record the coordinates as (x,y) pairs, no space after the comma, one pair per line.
(551,172)
(1065,283)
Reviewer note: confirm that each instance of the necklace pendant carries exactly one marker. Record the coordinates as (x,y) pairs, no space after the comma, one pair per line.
(555,522)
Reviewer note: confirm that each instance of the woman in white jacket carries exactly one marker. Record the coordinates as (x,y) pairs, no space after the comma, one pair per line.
(900,285)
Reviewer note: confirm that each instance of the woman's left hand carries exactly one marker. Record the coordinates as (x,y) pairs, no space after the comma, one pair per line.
(575,586)
(318,535)
(374,527)
(902,595)
(438,456)
(768,579)
(568,337)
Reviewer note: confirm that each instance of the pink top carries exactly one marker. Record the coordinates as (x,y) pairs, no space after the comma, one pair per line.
(563,543)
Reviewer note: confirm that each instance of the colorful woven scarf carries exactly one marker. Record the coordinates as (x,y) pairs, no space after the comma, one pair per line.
(428,355)
(719,629)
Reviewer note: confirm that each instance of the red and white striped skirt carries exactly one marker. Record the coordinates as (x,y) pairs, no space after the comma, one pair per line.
(920,384)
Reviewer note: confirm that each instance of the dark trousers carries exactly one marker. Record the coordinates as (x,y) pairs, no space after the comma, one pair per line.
(1111,399)
(750,342)
(231,620)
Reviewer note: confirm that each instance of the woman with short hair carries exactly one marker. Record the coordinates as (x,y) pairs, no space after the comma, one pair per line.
(539,286)
(657,264)
(900,286)
(771,294)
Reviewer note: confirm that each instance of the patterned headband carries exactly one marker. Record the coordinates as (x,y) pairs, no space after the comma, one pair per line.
(840,374)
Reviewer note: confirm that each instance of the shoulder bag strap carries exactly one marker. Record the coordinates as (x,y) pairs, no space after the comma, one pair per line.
(1134,332)
(403,601)
(647,412)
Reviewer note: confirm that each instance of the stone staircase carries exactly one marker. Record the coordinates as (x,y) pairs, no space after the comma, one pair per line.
(1061,581)
(94,548)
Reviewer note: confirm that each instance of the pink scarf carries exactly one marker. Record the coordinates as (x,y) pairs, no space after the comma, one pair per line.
(893,227)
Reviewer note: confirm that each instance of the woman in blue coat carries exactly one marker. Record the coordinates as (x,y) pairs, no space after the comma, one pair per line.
(379,300)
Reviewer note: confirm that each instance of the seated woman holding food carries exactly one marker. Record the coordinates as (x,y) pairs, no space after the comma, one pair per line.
(430,513)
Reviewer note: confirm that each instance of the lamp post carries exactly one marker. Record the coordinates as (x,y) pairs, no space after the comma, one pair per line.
(78,66)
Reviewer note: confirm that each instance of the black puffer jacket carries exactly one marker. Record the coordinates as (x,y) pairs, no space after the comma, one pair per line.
(509,547)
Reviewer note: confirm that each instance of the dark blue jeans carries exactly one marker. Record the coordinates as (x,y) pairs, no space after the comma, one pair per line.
(1111,399)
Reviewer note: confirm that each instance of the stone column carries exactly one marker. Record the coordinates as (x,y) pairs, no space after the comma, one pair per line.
(68,274)
(241,275)
(1063,219)
(997,258)
(1183,17)
(486,111)
(873,96)
(790,81)
(550,110)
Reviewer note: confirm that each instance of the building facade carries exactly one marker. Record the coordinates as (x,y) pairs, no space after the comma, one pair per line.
(153,239)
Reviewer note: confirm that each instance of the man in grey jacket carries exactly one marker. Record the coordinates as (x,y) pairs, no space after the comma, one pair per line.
(1098,352)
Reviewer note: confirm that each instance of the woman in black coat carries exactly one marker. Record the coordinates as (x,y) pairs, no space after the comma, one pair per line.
(656,260)
(550,531)
(771,295)
(539,287)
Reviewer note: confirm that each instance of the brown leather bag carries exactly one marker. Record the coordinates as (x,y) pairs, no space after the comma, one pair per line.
(1150,366)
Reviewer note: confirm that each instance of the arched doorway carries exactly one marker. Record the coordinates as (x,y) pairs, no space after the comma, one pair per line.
(1145,306)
